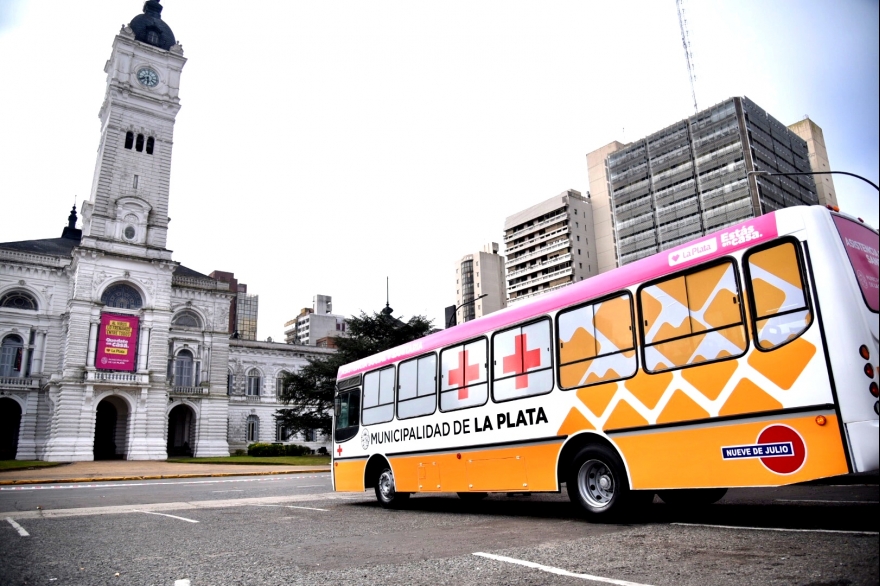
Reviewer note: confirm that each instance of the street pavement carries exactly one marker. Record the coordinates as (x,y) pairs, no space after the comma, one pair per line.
(110,470)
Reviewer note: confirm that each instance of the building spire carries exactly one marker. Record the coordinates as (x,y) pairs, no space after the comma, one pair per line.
(70,231)
(387,310)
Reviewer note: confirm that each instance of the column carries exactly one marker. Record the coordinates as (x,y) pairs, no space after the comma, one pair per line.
(143,349)
(93,342)
(39,353)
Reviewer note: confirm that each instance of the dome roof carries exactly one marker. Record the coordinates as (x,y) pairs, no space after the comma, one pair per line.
(149,27)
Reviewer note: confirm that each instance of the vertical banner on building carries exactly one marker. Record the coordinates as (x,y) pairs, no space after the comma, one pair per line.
(117,342)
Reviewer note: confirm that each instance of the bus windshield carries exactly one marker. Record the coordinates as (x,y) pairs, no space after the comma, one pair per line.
(862,246)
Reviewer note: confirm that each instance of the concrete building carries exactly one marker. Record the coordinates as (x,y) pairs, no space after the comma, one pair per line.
(818,155)
(549,245)
(244,309)
(691,178)
(110,348)
(480,273)
(314,324)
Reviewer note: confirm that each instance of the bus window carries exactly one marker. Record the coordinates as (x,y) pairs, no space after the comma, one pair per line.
(522,363)
(596,343)
(778,302)
(692,319)
(347,409)
(463,381)
(417,387)
(861,244)
(379,396)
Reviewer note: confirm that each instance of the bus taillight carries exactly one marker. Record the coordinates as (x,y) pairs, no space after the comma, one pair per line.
(873,389)
(864,352)
(869,371)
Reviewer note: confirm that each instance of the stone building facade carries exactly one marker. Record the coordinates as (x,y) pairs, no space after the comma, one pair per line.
(109,348)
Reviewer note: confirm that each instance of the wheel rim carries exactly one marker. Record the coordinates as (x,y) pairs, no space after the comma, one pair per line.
(386,485)
(596,483)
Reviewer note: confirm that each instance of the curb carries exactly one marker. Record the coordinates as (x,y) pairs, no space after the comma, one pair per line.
(155,477)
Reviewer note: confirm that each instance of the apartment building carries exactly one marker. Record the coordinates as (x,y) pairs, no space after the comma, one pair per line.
(478,274)
(549,245)
(315,323)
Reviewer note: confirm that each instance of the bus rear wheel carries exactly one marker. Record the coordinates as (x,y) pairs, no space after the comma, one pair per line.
(597,484)
(386,492)
(692,497)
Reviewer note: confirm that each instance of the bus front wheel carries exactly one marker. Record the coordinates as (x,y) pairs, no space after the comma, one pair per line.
(386,493)
(597,483)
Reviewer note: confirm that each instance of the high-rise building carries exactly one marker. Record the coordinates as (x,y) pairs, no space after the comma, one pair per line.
(315,325)
(693,177)
(810,132)
(477,274)
(549,245)
(243,309)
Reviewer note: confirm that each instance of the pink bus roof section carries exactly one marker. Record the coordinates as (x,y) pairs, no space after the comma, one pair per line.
(717,244)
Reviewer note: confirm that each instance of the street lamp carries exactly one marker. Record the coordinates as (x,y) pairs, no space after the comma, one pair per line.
(774,174)
(449,323)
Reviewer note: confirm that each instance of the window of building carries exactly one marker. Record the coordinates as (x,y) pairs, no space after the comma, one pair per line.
(19,300)
(139,143)
(779,304)
(522,362)
(417,387)
(378,396)
(150,143)
(282,433)
(186,373)
(310,435)
(279,384)
(134,182)
(11,354)
(254,382)
(596,343)
(692,318)
(187,319)
(230,383)
(578,237)
(129,139)
(122,296)
(463,376)
(253,428)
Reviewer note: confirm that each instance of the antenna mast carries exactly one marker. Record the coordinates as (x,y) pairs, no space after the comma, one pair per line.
(688,56)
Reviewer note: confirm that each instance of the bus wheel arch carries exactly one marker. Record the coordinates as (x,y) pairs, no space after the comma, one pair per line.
(379,475)
(573,446)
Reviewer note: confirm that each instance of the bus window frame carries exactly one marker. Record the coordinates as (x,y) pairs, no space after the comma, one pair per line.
(436,386)
(440,391)
(491,358)
(393,368)
(634,347)
(357,427)
(805,286)
(730,260)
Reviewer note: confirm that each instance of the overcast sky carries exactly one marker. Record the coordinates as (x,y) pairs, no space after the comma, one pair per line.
(323,146)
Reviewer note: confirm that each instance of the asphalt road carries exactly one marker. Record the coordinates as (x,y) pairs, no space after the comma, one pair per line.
(293,530)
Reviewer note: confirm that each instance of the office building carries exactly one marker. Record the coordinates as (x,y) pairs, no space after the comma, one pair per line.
(692,178)
(476,275)
(243,309)
(549,245)
(315,325)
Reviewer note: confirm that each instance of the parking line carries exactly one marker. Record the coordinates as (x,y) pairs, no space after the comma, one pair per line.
(184,582)
(17,527)
(826,501)
(558,571)
(292,507)
(164,515)
(779,529)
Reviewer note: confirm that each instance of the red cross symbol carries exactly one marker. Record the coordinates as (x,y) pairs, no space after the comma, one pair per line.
(521,361)
(464,374)
(339,450)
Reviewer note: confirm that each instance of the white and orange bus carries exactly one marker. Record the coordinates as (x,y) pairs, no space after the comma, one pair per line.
(747,357)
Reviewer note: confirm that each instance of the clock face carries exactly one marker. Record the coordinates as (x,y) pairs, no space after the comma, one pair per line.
(147,77)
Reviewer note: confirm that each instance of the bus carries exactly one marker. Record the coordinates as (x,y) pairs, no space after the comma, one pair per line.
(745,358)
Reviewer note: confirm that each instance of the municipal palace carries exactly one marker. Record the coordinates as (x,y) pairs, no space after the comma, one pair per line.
(110,348)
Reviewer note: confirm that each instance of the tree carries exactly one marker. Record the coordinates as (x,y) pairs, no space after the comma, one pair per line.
(309,393)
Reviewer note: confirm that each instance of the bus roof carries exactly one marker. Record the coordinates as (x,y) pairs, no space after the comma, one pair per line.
(717,244)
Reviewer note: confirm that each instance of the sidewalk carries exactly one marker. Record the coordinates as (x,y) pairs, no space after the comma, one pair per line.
(143,470)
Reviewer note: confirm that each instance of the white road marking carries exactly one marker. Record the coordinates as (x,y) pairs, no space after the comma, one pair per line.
(17,527)
(164,515)
(149,483)
(558,571)
(292,507)
(826,501)
(234,490)
(779,529)
(183,582)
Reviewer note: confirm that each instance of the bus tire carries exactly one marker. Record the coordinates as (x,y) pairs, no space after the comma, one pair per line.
(472,496)
(597,484)
(386,492)
(692,497)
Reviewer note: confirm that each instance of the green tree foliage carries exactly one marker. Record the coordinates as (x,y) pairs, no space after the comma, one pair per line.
(309,393)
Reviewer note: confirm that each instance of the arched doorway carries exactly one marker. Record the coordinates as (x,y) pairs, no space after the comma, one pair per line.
(111,426)
(181,431)
(10,421)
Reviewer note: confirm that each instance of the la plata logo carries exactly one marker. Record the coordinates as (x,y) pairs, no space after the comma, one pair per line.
(365,439)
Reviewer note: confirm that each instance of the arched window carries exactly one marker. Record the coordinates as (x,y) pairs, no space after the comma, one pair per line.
(230,382)
(253,428)
(254,382)
(122,296)
(185,373)
(279,384)
(150,143)
(11,353)
(139,145)
(129,139)
(187,319)
(19,300)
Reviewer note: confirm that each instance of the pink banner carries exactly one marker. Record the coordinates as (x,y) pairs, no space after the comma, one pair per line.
(862,249)
(117,342)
